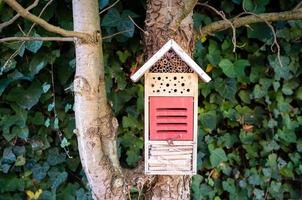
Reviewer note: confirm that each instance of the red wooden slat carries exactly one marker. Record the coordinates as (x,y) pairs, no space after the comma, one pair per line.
(171,118)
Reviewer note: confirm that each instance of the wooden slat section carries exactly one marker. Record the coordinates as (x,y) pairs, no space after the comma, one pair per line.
(169,158)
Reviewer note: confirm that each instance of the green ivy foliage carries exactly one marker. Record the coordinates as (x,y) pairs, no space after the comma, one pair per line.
(249,136)
(249,115)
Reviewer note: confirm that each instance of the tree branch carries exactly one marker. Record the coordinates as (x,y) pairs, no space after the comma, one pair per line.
(49,27)
(27,38)
(222,15)
(105,9)
(188,8)
(12,20)
(295,14)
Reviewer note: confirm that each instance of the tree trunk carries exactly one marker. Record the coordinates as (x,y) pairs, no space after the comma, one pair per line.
(96,127)
(165,20)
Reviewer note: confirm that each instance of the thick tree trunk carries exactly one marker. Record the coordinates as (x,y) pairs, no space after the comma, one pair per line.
(96,127)
(166,19)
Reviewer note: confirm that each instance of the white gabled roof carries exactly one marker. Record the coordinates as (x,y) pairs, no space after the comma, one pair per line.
(171,44)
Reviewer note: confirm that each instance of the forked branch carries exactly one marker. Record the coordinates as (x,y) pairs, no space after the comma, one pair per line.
(49,27)
(13,19)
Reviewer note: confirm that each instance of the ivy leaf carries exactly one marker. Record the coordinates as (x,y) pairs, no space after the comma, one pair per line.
(133,157)
(30,96)
(209,120)
(39,172)
(54,157)
(112,18)
(217,156)
(57,178)
(196,181)
(11,184)
(120,21)
(37,63)
(226,88)
(16,75)
(8,155)
(20,132)
(20,161)
(227,67)
(34,46)
(260,31)
(280,71)
(229,185)
(103,3)
(82,195)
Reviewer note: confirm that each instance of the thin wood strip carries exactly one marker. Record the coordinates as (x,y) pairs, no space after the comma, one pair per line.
(170,157)
(164,153)
(167,169)
(175,162)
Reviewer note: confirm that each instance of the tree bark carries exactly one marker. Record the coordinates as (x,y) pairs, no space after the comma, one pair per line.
(166,19)
(96,127)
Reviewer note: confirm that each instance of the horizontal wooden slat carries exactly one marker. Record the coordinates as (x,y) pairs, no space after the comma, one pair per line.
(171,157)
(167,153)
(168,168)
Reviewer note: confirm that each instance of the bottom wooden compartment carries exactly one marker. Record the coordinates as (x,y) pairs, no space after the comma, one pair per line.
(170,159)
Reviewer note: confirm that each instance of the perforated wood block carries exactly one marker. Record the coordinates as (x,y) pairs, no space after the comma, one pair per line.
(171,118)
(171,84)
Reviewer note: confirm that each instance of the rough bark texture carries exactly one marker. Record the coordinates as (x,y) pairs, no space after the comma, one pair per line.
(163,23)
(96,126)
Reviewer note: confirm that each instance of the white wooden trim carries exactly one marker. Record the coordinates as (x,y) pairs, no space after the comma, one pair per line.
(187,59)
(158,55)
(146,128)
(195,129)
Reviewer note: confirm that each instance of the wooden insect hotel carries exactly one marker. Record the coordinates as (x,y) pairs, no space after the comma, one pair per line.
(171,103)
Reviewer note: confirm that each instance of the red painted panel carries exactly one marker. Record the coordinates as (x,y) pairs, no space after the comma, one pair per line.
(171,118)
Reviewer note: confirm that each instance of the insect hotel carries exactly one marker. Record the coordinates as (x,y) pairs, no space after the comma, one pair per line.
(171,103)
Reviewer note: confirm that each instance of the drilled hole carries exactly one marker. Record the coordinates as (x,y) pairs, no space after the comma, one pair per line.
(158,78)
(175,77)
(188,90)
(175,90)
(167,85)
(183,84)
(157,91)
(152,85)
